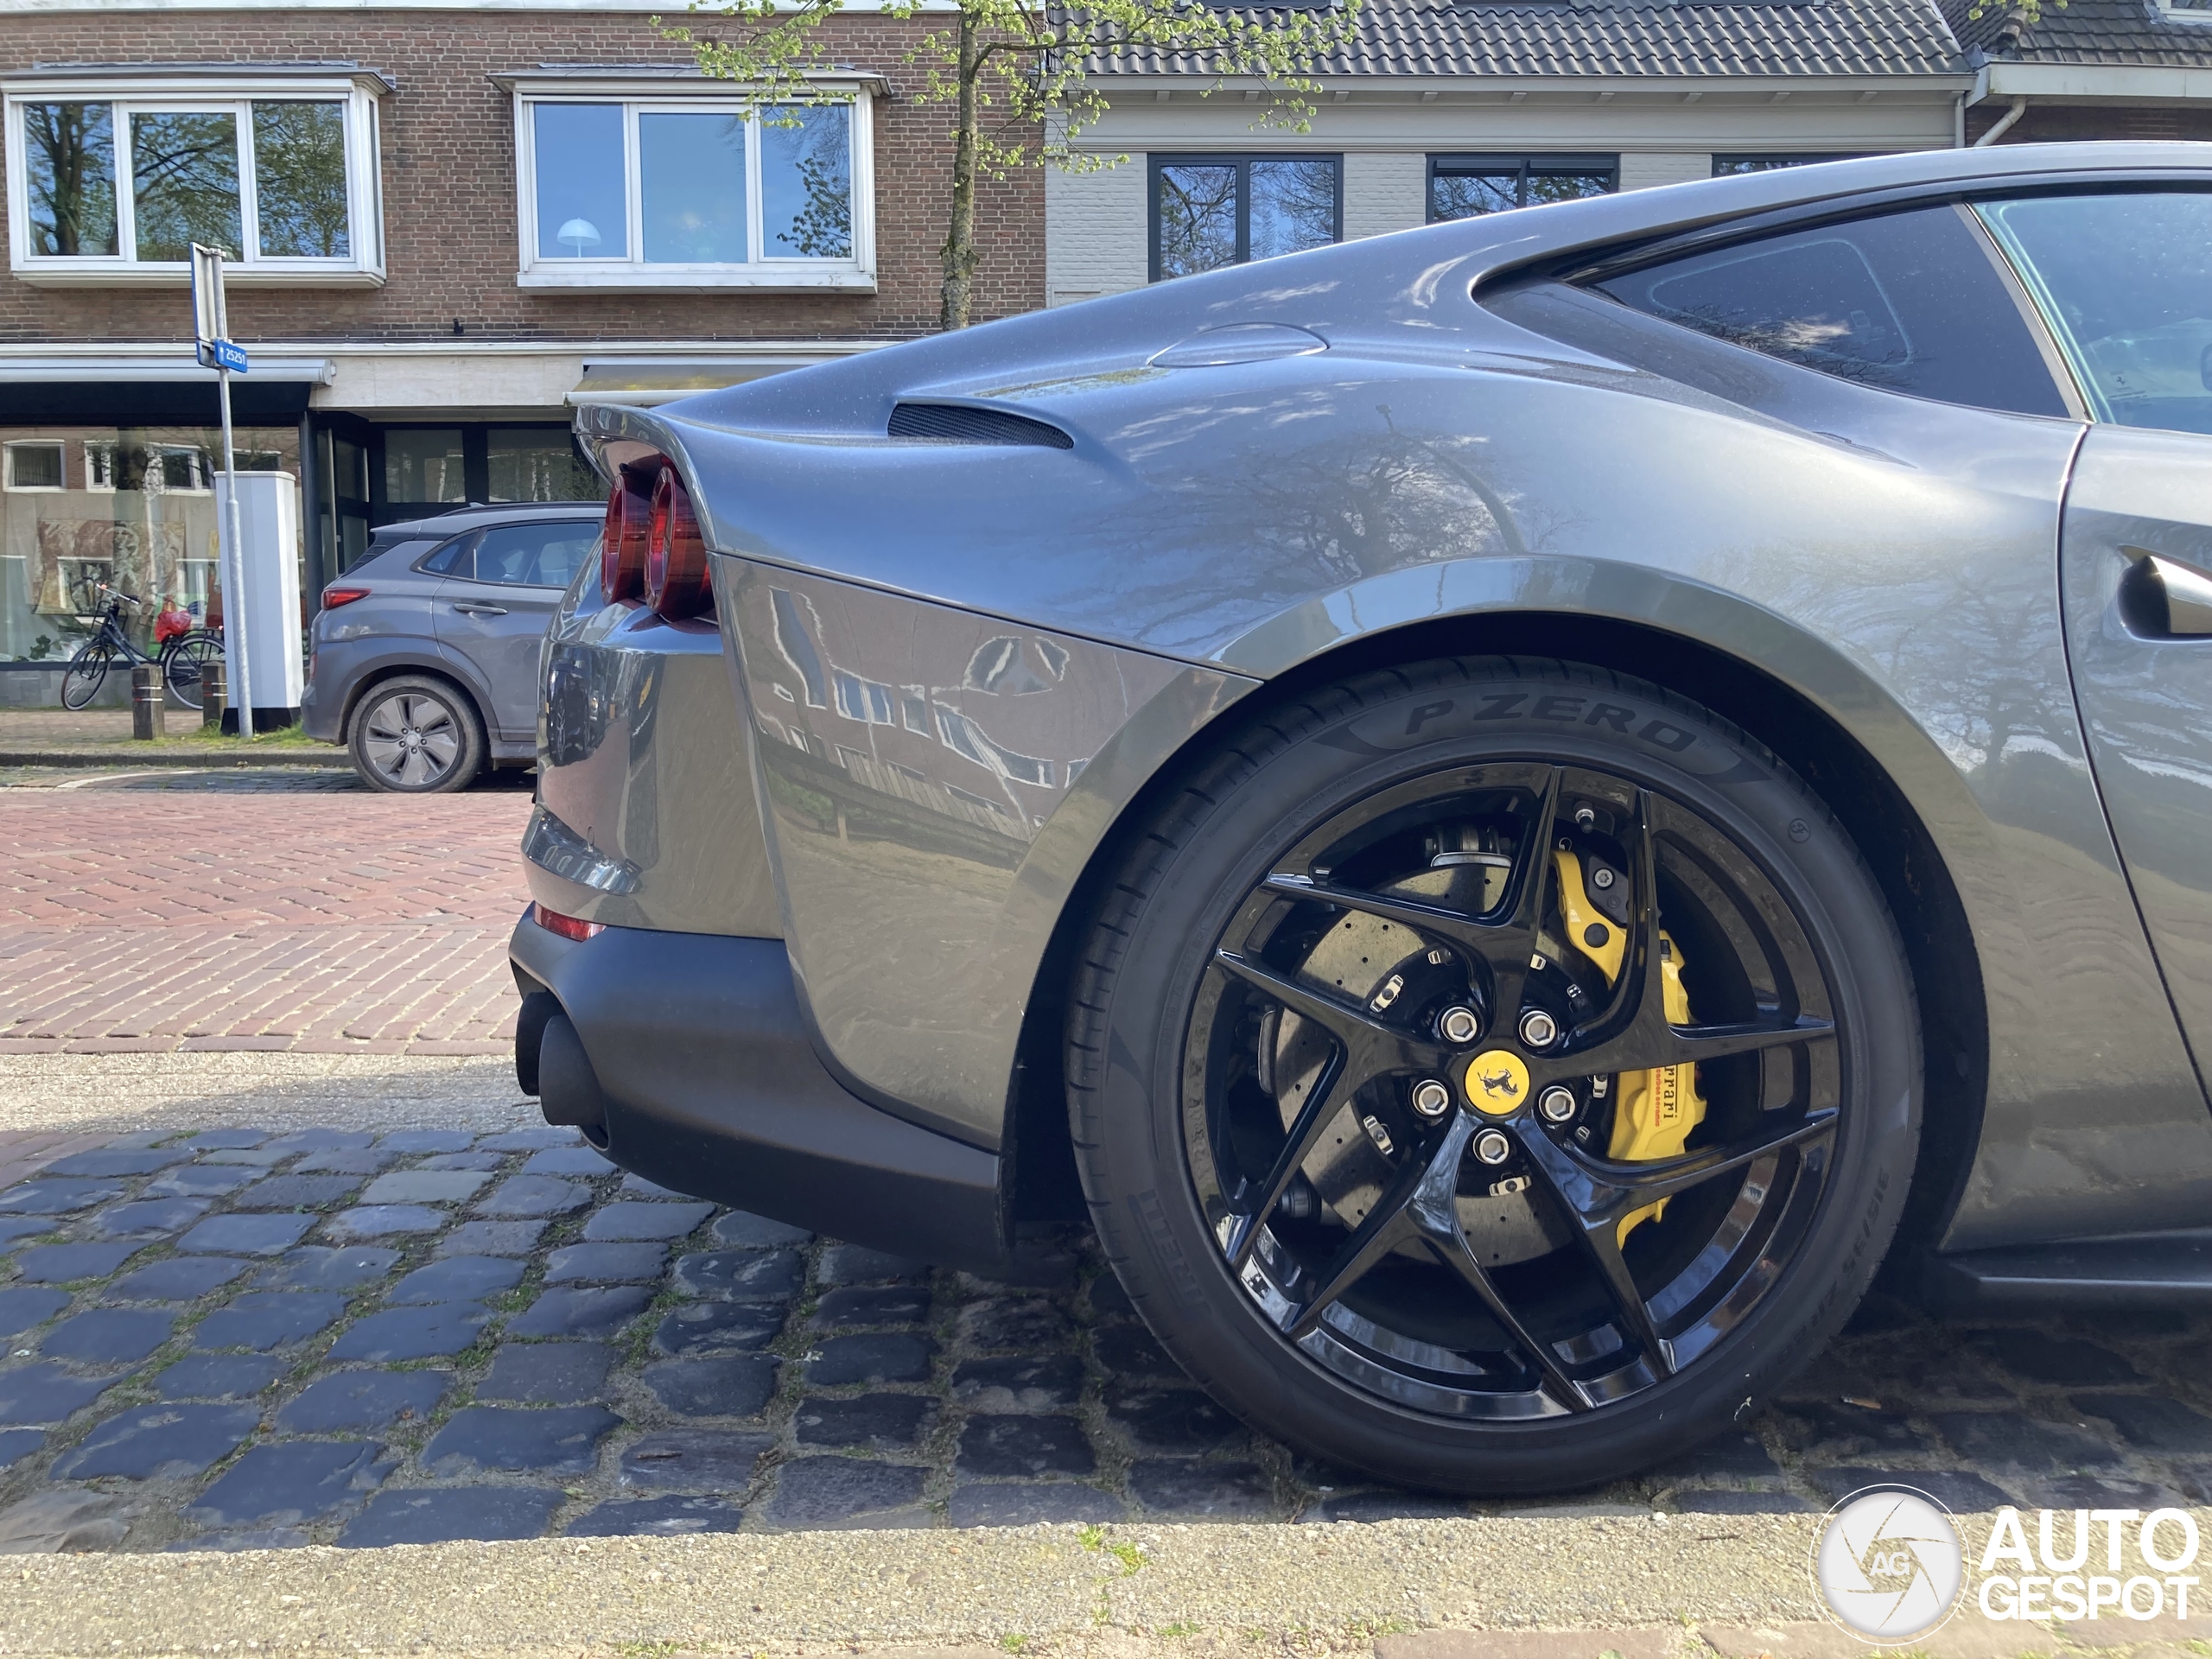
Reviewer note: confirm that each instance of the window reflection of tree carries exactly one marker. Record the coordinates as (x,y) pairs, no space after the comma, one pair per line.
(299,169)
(185,183)
(1293,207)
(72,152)
(1197,219)
(817,148)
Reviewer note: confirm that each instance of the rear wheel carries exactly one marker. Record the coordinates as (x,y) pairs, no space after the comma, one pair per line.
(184,666)
(87,671)
(1515,1075)
(416,735)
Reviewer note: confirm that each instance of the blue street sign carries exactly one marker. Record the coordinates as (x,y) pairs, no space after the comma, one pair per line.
(228,356)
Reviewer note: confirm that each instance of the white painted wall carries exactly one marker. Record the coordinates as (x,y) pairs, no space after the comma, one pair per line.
(1385,190)
(1096,239)
(1642,169)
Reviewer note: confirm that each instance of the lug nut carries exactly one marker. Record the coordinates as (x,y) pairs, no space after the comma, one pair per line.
(1539,1029)
(1492,1148)
(1556,1104)
(1431,1098)
(1459,1025)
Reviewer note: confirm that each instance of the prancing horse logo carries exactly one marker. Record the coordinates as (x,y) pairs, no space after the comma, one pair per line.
(1497,1081)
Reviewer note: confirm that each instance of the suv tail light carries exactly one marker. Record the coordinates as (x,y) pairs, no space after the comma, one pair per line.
(622,550)
(676,554)
(569,927)
(334,597)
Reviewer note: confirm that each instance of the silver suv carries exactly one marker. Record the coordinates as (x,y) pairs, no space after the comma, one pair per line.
(423,660)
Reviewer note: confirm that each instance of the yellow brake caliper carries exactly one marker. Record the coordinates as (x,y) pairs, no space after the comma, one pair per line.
(1656,1109)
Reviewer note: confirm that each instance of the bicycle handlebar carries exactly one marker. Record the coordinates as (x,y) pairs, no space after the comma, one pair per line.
(120,594)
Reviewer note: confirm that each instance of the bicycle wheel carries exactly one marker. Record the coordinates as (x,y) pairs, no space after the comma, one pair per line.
(87,672)
(184,662)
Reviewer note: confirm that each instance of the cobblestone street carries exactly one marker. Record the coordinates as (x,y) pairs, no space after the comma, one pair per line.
(407,1319)
(231,1339)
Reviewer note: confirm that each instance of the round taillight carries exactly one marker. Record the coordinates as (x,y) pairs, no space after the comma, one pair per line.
(622,547)
(676,554)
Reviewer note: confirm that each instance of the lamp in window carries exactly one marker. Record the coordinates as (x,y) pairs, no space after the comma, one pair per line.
(578,234)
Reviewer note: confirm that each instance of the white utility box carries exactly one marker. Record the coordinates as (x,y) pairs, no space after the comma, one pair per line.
(268,530)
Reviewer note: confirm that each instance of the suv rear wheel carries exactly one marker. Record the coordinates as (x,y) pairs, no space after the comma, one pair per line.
(1494,1076)
(417,735)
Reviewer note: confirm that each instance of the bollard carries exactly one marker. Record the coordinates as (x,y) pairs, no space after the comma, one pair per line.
(214,694)
(148,698)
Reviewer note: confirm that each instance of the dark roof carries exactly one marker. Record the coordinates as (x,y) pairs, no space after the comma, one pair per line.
(1624,38)
(2085,31)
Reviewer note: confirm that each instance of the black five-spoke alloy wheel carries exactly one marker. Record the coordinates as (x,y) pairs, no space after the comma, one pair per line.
(1492,1076)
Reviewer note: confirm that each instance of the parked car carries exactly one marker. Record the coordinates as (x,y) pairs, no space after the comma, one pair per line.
(1518,805)
(423,660)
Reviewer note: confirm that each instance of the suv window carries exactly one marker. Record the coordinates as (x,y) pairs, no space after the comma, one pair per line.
(534,556)
(453,559)
(1911,301)
(2125,282)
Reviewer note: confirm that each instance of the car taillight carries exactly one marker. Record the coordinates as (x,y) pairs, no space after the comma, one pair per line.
(334,597)
(569,927)
(622,547)
(676,554)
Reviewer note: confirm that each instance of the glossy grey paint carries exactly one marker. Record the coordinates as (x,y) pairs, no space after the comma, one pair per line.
(2145,697)
(1441,460)
(934,782)
(645,776)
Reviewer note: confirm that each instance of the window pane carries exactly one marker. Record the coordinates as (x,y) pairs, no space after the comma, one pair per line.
(1909,303)
(1197,219)
(1293,207)
(455,558)
(299,180)
(423,465)
(691,171)
(533,556)
(1566,184)
(540,464)
(71,156)
(2129,287)
(34,466)
(1469,195)
(184,180)
(806,183)
(1729,166)
(578,156)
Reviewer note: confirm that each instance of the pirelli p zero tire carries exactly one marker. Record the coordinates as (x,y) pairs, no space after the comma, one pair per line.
(1494,1076)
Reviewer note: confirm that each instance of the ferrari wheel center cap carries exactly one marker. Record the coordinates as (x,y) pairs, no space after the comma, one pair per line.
(1497,1081)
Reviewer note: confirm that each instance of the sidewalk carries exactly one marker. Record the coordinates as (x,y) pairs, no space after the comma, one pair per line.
(55,737)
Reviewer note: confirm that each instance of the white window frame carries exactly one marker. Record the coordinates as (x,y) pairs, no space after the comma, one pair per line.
(7,467)
(231,93)
(677,95)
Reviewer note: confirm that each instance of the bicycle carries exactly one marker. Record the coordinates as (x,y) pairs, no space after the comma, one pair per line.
(182,660)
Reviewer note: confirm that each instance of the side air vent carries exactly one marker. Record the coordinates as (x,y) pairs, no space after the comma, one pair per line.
(957,423)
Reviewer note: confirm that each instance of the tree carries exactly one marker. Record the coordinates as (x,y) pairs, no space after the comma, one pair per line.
(1018,74)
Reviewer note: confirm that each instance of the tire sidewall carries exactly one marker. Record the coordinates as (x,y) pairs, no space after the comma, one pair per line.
(1300,772)
(467,765)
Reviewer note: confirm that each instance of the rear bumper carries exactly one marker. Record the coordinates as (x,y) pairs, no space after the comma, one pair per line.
(711,1087)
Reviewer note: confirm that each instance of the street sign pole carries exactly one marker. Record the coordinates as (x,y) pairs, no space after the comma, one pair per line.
(212,344)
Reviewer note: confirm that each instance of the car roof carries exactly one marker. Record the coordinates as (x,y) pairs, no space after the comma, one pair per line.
(442,524)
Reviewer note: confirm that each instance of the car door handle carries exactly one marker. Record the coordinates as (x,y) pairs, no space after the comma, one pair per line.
(2164,596)
(471,609)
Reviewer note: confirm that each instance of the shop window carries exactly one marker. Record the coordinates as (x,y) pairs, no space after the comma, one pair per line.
(33,466)
(662,192)
(113,179)
(536,463)
(1210,210)
(425,464)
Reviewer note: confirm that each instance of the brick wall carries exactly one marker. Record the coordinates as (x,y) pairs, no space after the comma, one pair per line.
(449,161)
(2049,123)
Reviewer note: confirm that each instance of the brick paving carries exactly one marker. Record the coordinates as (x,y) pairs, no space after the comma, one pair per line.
(229,1339)
(242,912)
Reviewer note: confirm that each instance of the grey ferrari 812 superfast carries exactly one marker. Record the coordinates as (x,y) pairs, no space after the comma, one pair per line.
(1509,811)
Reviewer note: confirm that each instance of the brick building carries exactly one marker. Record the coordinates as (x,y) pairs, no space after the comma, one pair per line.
(452,226)
(2138,69)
